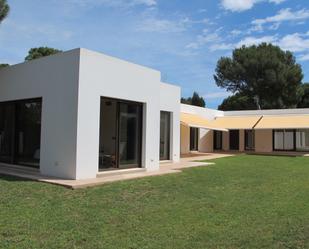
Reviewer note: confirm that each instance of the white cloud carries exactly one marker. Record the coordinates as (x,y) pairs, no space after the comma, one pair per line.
(295,42)
(250,40)
(13,30)
(192,45)
(242,5)
(145,2)
(153,24)
(236,32)
(247,41)
(282,16)
(237,5)
(216,95)
(114,3)
(277,1)
(304,57)
(222,46)
(205,38)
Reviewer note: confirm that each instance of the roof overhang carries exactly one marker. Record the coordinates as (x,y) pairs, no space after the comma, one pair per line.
(284,122)
(194,120)
(236,122)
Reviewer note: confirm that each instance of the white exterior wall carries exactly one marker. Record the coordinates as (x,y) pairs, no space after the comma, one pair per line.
(55,79)
(71,85)
(170,102)
(101,75)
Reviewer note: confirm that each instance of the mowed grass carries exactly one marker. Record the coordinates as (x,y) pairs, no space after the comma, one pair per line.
(240,202)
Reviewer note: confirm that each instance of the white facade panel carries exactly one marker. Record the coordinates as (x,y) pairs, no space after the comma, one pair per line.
(55,80)
(170,102)
(104,76)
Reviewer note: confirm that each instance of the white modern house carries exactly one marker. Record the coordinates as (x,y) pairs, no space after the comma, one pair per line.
(78,113)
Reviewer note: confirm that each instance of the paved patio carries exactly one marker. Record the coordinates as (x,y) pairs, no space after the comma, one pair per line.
(112,176)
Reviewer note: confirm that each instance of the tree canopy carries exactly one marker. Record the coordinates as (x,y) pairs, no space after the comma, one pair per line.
(304,101)
(194,100)
(35,53)
(4,9)
(263,74)
(237,102)
(4,65)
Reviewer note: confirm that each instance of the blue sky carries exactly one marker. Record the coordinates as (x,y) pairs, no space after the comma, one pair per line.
(182,39)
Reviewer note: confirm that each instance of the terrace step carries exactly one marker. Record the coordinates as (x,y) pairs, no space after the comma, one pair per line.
(119,172)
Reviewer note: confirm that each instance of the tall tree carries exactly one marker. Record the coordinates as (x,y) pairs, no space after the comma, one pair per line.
(237,102)
(35,53)
(194,100)
(264,73)
(4,9)
(304,102)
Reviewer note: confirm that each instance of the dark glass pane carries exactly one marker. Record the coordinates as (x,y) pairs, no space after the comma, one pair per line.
(194,137)
(234,139)
(284,140)
(279,140)
(28,133)
(302,140)
(165,136)
(6,132)
(218,140)
(108,134)
(130,131)
(249,140)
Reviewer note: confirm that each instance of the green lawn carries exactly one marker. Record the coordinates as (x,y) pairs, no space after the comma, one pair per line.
(240,202)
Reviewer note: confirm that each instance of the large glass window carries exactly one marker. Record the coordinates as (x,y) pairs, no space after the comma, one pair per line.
(20,132)
(249,140)
(28,133)
(120,134)
(7,117)
(194,137)
(218,140)
(234,139)
(302,140)
(284,140)
(130,130)
(165,135)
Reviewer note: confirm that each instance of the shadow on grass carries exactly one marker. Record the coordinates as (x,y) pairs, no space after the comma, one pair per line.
(10,178)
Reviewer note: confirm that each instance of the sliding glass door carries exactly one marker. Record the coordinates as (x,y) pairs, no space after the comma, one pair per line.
(284,140)
(120,134)
(165,123)
(20,132)
(302,140)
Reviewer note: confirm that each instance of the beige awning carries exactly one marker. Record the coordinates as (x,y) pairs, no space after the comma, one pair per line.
(194,120)
(284,122)
(236,122)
